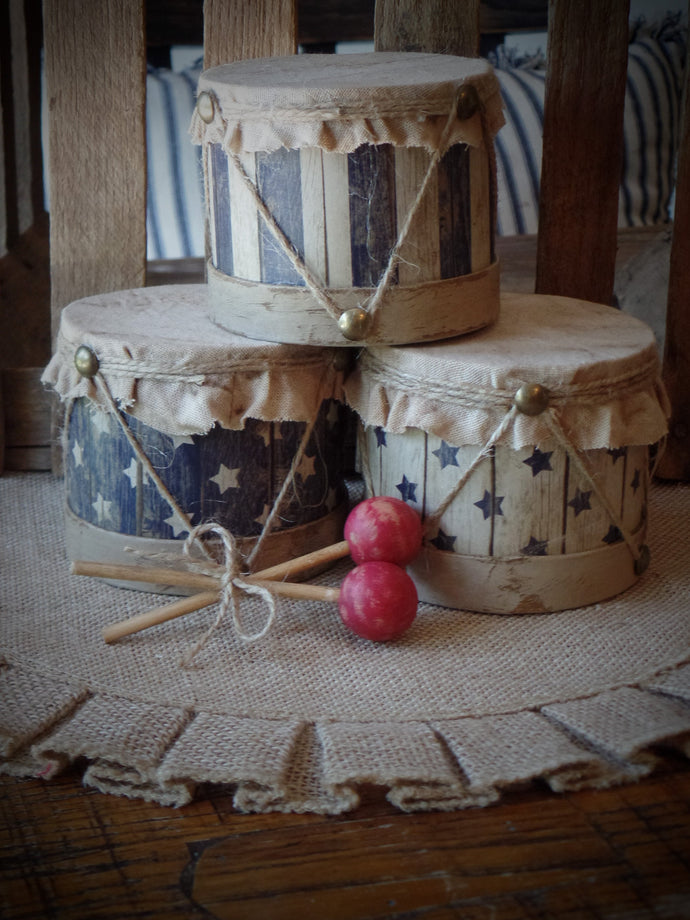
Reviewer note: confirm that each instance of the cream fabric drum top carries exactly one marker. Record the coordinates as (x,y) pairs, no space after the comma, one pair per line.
(338,102)
(599,366)
(169,365)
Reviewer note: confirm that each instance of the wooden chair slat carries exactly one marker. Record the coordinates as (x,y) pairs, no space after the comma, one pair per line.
(435,26)
(235,30)
(95,75)
(583,148)
(675,462)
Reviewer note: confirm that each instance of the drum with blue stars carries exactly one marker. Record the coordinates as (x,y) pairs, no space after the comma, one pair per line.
(527,448)
(219,418)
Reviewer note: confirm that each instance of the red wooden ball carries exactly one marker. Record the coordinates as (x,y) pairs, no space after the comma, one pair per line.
(383,528)
(378,601)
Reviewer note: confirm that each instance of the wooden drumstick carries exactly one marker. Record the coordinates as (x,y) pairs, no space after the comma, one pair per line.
(377,600)
(381,528)
(186,605)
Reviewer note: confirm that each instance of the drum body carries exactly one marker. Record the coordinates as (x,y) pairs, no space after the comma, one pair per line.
(338,148)
(530,509)
(211,414)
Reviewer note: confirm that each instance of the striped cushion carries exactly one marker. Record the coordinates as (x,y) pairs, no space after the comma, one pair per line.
(651,123)
(175,217)
(175,202)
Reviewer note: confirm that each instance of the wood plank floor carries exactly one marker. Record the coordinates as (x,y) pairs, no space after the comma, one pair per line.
(623,853)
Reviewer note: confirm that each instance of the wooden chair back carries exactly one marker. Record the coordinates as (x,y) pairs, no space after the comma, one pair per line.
(95,60)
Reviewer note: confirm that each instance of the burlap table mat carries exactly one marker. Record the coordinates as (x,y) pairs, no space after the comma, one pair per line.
(464,706)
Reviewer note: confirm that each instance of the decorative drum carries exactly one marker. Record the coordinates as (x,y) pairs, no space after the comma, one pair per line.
(160,394)
(351,197)
(526,448)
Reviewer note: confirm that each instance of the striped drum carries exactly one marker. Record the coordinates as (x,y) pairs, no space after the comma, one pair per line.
(177,422)
(527,449)
(315,164)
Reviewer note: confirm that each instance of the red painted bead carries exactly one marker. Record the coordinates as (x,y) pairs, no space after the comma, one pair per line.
(378,601)
(383,528)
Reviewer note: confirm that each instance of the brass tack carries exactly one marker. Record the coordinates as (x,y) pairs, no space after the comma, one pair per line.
(468,102)
(354,324)
(642,561)
(86,362)
(531,399)
(205,106)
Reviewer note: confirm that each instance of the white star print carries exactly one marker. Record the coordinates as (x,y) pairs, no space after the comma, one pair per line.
(78,453)
(178,526)
(131,473)
(264,431)
(100,421)
(102,508)
(179,439)
(262,518)
(226,479)
(306,467)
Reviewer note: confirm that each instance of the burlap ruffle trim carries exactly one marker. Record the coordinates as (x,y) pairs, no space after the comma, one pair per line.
(162,753)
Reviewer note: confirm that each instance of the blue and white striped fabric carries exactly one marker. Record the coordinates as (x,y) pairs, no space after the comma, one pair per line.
(651,125)
(175,197)
(175,217)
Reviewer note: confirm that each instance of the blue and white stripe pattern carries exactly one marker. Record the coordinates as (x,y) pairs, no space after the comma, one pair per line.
(651,126)
(175,196)
(342,214)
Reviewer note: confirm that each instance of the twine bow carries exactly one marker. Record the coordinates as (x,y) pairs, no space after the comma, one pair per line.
(232,588)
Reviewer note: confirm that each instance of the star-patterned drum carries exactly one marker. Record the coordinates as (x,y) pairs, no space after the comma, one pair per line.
(336,148)
(220,420)
(527,448)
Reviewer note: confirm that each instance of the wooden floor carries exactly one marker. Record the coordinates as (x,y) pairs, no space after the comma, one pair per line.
(624,853)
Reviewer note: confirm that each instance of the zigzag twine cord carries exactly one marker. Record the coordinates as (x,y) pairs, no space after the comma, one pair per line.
(563,440)
(314,284)
(232,585)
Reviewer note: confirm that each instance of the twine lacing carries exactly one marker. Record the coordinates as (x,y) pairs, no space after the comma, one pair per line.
(232,585)
(577,459)
(314,284)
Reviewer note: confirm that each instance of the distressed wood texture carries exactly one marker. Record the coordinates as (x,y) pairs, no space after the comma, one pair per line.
(71,852)
(95,76)
(583,148)
(235,30)
(438,26)
(515,505)
(675,463)
(27,406)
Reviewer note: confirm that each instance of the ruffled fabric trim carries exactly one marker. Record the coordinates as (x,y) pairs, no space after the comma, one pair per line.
(601,370)
(162,753)
(169,365)
(400,99)
(632,418)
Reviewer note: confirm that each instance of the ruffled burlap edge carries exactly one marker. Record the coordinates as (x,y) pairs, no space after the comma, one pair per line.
(161,753)
(164,751)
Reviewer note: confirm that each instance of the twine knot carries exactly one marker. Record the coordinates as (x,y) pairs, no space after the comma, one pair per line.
(232,588)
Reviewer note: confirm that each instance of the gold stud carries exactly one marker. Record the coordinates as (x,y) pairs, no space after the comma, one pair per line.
(354,324)
(205,106)
(531,399)
(468,102)
(642,561)
(86,362)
